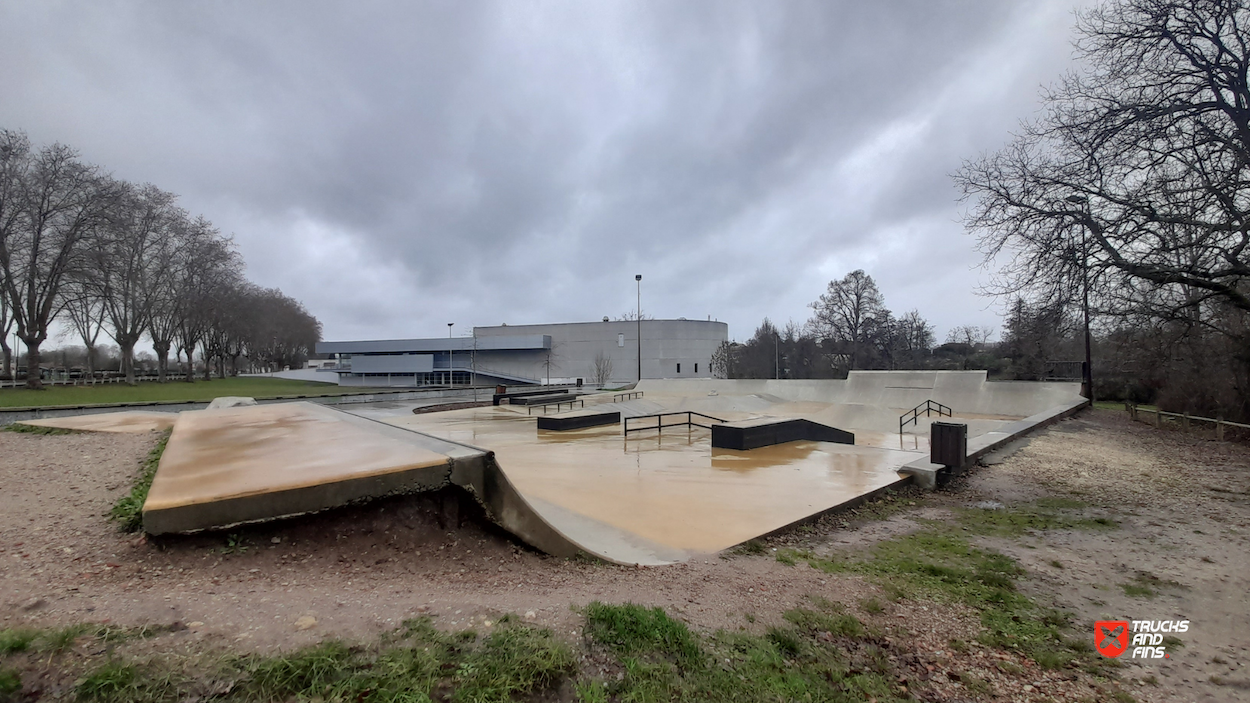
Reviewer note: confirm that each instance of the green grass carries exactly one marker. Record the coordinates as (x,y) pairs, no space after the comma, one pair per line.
(661,660)
(150,391)
(16,640)
(417,664)
(10,683)
(128,510)
(632,629)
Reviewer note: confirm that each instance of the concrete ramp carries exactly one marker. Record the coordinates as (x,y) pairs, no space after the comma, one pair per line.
(127,421)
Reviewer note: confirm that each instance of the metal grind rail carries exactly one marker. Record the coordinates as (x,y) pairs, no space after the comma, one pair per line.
(659,425)
(928,408)
(529,409)
(630,395)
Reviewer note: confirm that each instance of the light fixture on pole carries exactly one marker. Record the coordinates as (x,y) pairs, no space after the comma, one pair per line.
(638,315)
(450,353)
(1087,377)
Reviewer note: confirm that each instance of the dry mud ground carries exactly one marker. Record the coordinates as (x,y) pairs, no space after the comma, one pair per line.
(1181,503)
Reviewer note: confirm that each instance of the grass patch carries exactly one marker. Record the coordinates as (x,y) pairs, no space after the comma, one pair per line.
(10,683)
(128,510)
(119,682)
(1045,514)
(662,660)
(872,606)
(655,658)
(21,428)
(632,629)
(16,640)
(172,391)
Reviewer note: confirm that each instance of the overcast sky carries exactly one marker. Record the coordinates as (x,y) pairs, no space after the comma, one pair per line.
(398,166)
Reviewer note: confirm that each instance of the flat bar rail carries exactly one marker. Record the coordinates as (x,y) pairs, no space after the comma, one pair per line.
(529,409)
(659,425)
(1185,418)
(928,408)
(628,395)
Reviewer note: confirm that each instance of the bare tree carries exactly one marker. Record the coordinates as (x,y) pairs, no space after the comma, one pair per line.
(6,324)
(603,369)
(50,202)
(85,311)
(1138,170)
(845,311)
(130,264)
(721,364)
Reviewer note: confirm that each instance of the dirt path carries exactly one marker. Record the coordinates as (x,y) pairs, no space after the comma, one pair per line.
(1181,504)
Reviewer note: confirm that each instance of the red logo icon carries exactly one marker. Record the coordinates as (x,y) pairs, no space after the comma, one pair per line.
(1111,637)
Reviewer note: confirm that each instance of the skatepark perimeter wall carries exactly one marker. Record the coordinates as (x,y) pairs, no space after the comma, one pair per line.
(967,392)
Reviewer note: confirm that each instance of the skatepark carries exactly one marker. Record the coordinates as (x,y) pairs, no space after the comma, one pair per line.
(638,479)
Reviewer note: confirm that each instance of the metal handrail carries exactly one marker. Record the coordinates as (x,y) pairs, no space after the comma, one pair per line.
(529,409)
(929,407)
(659,421)
(627,395)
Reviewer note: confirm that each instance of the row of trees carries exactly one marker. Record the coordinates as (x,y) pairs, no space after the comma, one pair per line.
(107,257)
(850,328)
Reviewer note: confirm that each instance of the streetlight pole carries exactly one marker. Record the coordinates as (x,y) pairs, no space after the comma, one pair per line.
(638,316)
(776,355)
(450,353)
(1087,377)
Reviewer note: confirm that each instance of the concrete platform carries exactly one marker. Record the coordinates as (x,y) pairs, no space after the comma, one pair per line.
(645,498)
(130,421)
(236,465)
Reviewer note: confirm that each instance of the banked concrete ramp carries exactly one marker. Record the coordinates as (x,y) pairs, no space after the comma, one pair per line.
(641,498)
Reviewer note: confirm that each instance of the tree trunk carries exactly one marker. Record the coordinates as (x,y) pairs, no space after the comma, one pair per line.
(208,364)
(91,362)
(128,359)
(8,358)
(162,360)
(33,381)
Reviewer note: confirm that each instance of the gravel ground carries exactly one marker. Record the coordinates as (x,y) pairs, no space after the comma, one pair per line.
(354,573)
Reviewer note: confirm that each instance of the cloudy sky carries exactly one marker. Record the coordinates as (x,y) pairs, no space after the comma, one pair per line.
(397,166)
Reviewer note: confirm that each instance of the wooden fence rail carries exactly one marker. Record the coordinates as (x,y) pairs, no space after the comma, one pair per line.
(1156,417)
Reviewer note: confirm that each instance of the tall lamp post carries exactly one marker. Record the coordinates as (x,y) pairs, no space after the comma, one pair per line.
(1087,378)
(638,316)
(450,353)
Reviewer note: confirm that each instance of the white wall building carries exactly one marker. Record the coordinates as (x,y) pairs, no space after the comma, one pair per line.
(555,353)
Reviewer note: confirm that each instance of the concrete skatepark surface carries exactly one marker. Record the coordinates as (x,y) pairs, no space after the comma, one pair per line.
(643,498)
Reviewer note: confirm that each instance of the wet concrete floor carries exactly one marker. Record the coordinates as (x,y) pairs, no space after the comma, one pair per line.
(672,488)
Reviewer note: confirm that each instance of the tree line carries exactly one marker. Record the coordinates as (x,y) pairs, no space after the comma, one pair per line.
(107,257)
(851,328)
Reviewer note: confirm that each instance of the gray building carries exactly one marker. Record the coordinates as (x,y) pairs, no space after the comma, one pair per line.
(555,353)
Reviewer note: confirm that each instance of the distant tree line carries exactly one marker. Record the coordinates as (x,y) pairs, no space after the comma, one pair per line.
(114,259)
(851,328)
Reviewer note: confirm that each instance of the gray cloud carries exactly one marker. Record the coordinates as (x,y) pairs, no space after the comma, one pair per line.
(397,167)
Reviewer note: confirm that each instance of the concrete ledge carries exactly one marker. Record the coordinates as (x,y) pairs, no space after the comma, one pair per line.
(764,432)
(562,423)
(927,474)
